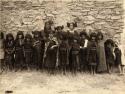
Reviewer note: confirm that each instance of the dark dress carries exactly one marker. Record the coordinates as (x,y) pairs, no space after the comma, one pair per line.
(92,53)
(38,51)
(63,54)
(118,55)
(83,55)
(28,53)
(101,57)
(110,59)
(19,53)
(74,56)
(9,54)
(51,55)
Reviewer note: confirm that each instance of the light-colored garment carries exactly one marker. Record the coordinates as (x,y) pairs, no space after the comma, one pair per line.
(1,49)
(101,57)
(122,48)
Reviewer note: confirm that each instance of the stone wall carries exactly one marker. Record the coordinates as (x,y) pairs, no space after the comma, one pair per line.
(29,15)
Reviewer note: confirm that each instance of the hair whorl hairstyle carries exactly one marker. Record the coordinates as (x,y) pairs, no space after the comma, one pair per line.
(59,27)
(74,24)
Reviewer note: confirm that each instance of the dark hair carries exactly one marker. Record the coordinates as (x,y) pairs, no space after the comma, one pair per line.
(2,35)
(9,35)
(109,41)
(19,33)
(37,33)
(100,34)
(83,33)
(93,34)
(28,36)
(50,23)
(59,27)
(74,24)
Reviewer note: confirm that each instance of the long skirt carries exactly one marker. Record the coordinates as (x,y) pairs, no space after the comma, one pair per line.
(19,59)
(101,67)
(51,58)
(83,58)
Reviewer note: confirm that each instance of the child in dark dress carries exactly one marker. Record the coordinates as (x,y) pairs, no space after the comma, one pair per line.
(63,55)
(74,56)
(9,52)
(19,51)
(110,55)
(28,51)
(92,53)
(83,51)
(38,50)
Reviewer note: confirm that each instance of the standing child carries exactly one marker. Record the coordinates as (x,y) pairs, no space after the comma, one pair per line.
(28,51)
(92,53)
(83,50)
(110,56)
(38,50)
(119,60)
(74,54)
(101,67)
(1,51)
(9,52)
(51,53)
(19,51)
(63,55)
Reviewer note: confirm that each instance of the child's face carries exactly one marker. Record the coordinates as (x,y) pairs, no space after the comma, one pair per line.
(109,45)
(36,35)
(100,37)
(9,38)
(93,38)
(28,39)
(59,30)
(20,36)
(71,26)
(83,37)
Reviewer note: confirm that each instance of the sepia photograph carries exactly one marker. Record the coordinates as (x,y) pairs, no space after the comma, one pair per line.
(62,47)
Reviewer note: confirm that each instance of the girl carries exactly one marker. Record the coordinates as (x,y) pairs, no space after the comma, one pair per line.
(1,51)
(119,60)
(51,53)
(110,56)
(28,51)
(38,50)
(92,53)
(9,52)
(101,53)
(19,51)
(63,55)
(74,56)
(83,50)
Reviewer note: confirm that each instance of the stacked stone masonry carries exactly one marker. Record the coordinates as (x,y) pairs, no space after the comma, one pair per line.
(30,15)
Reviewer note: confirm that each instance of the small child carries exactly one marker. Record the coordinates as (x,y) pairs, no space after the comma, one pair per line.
(110,56)
(1,51)
(83,50)
(92,53)
(9,52)
(119,60)
(28,51)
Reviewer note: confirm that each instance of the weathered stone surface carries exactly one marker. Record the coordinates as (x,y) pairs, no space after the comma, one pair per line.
(28,15)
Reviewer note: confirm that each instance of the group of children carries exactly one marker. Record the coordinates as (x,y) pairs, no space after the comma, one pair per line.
(56,49)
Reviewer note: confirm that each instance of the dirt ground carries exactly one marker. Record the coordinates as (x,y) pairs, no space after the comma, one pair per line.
(42,83)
